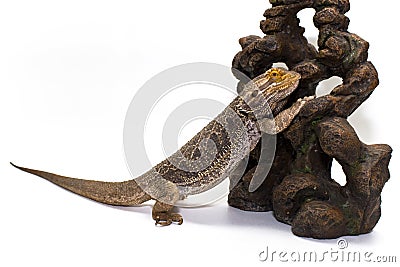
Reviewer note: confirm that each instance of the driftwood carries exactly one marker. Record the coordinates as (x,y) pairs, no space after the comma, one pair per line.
(299,188)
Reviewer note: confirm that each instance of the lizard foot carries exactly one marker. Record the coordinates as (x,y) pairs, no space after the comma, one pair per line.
(284,118)
(163,215)
(167,218)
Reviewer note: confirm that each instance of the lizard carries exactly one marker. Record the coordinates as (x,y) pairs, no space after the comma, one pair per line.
(205,160)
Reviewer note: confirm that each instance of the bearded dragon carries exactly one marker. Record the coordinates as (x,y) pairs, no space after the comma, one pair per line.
(208,158)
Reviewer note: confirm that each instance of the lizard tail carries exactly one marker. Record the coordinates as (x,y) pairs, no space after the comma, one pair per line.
(126,193)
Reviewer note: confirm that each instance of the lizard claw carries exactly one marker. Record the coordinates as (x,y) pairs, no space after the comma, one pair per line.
(166,218)
(306,98)
(311,97)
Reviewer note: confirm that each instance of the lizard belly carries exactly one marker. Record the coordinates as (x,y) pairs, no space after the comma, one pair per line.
(211,155)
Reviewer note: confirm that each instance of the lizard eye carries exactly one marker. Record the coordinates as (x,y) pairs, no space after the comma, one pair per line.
(274,74)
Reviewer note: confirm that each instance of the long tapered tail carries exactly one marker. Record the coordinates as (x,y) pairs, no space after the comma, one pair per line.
(126,193)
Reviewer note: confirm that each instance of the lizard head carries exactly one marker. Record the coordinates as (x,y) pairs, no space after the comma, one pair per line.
(274,87)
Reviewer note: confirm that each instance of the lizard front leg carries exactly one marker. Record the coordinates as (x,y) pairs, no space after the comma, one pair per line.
(284,118)
(163,215)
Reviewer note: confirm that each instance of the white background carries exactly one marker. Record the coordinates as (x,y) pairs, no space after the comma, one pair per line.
(68,70)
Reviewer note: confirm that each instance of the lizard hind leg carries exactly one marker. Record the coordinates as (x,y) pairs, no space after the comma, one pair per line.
(163,215)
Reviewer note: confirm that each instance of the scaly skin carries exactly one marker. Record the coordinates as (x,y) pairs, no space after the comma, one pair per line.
(208,158)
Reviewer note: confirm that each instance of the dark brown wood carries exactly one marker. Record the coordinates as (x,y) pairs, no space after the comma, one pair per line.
(299,188)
